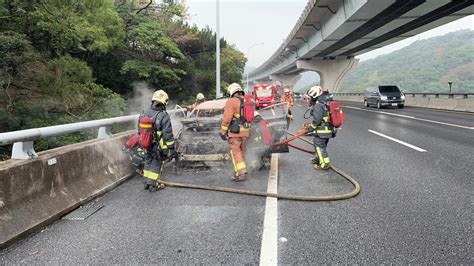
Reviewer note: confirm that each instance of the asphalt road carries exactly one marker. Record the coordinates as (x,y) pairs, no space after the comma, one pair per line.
(415,206)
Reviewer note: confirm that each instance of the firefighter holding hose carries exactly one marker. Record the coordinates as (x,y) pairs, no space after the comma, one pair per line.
(321,127)
(234,131)
(156,137)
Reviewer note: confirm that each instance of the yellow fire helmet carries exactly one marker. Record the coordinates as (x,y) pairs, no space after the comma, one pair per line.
(160,96)
(200,96)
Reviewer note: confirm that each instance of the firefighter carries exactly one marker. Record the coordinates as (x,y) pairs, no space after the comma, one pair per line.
(199,99)
(320,127)
(162,146)
(288,98)
(233,130)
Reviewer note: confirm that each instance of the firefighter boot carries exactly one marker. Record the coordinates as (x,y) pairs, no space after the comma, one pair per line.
(148,183)
(315,161)
(238,178)
(156,187)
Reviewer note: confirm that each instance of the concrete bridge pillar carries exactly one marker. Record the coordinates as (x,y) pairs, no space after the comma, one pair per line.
(331,72)
(286,80)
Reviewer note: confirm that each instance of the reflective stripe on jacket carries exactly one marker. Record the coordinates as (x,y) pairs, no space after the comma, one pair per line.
(162,128)
(321,124)
(287,99)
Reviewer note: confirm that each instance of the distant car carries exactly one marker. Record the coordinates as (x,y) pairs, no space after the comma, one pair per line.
(384,96)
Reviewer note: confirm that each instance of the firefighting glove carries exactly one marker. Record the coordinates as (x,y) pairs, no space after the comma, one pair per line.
(223,136)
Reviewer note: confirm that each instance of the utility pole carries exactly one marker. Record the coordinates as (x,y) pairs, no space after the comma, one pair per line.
(248,51)
(218,54)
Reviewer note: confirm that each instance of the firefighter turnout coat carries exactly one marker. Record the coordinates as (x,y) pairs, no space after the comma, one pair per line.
(322,131)
(237,141)
(163,140)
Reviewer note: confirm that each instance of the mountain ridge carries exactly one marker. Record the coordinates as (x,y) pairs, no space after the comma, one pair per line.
(424,66)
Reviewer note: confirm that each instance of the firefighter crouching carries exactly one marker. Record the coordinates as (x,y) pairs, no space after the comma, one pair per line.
(161,141)
(199,99)
(233,130)
(288,98)
(320,127)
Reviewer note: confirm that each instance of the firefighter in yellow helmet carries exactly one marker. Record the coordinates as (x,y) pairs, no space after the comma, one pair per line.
(233,130)
(163,145)
(199,99)
(320,127)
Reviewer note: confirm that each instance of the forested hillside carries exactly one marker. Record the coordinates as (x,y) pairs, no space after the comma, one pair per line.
(67,61)
(424,66)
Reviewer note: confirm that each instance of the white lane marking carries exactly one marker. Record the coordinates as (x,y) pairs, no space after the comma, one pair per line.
(398,141)
(442,123)
(405,116)
(351,107)
(410,117)
(269,249)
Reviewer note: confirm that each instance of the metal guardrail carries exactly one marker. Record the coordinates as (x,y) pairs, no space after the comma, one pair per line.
(414,94)
(22,140)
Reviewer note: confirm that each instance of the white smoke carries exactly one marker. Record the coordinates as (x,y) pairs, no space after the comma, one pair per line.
(140,98)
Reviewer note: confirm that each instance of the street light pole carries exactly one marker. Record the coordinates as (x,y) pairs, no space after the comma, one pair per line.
(218,53)
(248,51)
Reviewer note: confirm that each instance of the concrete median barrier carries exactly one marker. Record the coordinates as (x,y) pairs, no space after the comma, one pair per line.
(446,104)
(36,192)
(465,105)
(349,98)
(417,101)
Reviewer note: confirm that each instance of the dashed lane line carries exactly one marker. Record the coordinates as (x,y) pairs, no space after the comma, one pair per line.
(409,117)
(398,141)
(269,248)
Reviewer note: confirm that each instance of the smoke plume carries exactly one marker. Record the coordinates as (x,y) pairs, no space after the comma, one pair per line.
(140,99)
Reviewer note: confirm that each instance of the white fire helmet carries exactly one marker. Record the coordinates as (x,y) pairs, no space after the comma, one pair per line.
(314,92)
(233,88)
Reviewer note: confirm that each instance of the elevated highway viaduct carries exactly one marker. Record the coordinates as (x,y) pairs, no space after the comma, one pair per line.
(330,33)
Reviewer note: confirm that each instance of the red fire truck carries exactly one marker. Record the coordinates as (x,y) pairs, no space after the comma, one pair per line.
(265,95)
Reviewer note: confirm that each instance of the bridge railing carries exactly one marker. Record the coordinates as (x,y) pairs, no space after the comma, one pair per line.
(418,94)
(22,140)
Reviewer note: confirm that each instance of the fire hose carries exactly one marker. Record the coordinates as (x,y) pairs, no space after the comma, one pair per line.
(298,135)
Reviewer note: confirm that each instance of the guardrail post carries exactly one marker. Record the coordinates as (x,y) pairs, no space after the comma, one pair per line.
(464,96)
(104,133)
(23,151)
(450,96)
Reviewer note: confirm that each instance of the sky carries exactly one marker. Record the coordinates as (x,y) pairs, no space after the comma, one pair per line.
(247,23)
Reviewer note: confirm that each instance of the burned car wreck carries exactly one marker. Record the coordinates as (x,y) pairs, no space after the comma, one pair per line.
(198,143)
